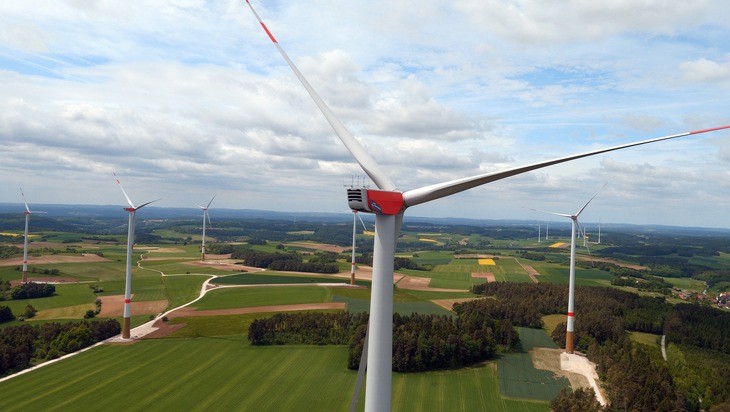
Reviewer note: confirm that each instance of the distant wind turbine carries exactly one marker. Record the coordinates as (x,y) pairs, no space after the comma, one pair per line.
(132,210)
(27,214)
(388,203)
(354,232)
(575,227)
(205,216)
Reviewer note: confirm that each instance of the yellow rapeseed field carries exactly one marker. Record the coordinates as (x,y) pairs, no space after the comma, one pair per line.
(487,262)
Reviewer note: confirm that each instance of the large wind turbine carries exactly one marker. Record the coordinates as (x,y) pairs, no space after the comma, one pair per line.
(575,227)
(388,204)
(132,210)
(27,214)
(205,216)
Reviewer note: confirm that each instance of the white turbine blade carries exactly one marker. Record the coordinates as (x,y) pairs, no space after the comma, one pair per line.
(211,201)
(123,191)
(210,225)
(26,203)
(363,223)
(581,228)
(140,207)
(367,163)
(589,201)
(553,213)
(439,190)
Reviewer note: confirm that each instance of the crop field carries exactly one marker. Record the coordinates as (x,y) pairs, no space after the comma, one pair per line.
(230,298)
(271,278)
(559,275)
(229,374)
(182,289)
(518,378)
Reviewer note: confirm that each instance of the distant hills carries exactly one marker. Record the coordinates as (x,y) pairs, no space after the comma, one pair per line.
(152,212)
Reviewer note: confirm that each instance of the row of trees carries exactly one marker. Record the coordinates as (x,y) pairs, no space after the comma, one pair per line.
(287,261)
(21,346)
(420,342)
(30,290)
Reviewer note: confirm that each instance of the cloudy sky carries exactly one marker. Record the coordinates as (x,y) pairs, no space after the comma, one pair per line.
(186,99)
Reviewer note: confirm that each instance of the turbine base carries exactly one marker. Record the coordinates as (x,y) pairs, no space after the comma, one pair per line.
(125,328)
(569,342)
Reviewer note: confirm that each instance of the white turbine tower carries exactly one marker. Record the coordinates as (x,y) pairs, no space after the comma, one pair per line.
(575,228)
(132,210)
(205,216)
(388,204)
(27,214)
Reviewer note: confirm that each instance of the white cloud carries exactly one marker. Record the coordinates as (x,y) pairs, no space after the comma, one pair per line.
(705,71)
(189,97)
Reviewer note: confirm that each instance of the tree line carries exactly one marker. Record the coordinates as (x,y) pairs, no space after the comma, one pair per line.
(287,261)
(22,346)
(420,342)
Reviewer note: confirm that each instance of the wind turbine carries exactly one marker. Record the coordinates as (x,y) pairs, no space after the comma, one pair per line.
(205,216)
(354,232)
(27,214)
(571,287)
(388,204)
(132,210)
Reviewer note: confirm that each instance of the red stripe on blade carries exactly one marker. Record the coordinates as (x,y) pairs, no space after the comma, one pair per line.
(271,36)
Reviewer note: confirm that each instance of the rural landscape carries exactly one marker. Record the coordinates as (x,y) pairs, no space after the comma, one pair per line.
(270,321)
(362,206)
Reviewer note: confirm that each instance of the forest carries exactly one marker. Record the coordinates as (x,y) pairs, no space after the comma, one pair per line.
(22,346)
(637,378)
(287,261)
(420,342)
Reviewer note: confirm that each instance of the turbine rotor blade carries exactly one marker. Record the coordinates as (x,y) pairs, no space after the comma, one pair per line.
(589,201)
(553,213)
(363,223)
(140,207)
(26,203)
(211,201)
(367,163)
(210,225)
(123,191)
(439,190)
(581,228)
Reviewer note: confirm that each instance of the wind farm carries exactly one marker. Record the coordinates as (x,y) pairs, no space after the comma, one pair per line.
(388,205)
(463,110)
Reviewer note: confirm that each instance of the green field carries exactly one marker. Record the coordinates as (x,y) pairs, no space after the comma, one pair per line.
(229,298)
(228,374)
(519,379)
(273,278)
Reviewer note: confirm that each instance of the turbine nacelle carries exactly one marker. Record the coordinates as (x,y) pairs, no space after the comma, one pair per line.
(379,202)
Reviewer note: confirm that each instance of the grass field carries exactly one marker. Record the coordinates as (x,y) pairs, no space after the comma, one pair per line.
(228,374)
(645,338)
(272,278)
(230,298)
